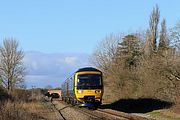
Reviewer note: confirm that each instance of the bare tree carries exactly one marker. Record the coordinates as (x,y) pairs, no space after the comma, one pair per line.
(153,26)
(105,52)
(175,37)
(148,45)
(104,57)
(117,56)
(135,67)
(163,42)
(12,70)
(161,71)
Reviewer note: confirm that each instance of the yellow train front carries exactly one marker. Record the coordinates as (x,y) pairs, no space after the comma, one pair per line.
(87,87)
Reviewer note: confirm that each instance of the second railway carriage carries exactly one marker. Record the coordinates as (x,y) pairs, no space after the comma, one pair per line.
(84,87)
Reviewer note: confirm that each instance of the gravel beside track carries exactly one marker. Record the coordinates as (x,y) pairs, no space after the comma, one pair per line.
(69,112)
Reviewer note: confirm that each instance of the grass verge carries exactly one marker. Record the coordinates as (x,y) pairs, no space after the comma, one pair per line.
(164,114)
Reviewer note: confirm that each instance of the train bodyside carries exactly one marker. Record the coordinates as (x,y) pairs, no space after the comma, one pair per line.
(85,86)
(68,94)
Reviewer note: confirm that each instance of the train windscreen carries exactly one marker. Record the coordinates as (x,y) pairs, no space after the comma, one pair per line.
(89,81)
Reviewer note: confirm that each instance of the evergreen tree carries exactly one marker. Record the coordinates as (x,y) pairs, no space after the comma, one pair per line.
(129,50)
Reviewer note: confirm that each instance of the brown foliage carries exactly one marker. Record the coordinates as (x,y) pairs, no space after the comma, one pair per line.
(133,74)
(24,105)
(138,67)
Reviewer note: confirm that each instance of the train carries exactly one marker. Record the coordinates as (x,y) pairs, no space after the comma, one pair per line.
(84,88)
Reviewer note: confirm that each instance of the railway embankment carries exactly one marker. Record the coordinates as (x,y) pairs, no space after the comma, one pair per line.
(130,109)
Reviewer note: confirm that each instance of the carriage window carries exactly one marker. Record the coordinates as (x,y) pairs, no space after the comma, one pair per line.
(89,80)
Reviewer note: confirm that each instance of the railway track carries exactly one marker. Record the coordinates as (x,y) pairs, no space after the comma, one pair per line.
(92,115)
(83,111)
(100,114)
(54,109)
(122,115)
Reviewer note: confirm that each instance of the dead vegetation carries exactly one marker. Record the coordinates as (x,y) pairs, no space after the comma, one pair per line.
(24,105)
(141,64)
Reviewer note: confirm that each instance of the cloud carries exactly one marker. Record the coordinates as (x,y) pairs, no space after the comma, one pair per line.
(40,81)
(71,60)
(51,69)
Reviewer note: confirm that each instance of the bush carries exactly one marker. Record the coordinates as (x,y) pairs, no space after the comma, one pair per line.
(4,94)
(21,95)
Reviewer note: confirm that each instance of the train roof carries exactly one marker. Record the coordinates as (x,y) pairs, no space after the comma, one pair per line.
(88,69)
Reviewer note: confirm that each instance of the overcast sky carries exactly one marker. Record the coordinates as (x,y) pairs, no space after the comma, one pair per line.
(55,34)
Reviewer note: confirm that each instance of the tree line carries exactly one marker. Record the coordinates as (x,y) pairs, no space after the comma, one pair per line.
(141,64)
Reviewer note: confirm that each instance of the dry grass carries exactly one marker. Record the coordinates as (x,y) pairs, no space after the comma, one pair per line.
(26,111)
(25,105)
(164,114)
(14,111)
(176,107)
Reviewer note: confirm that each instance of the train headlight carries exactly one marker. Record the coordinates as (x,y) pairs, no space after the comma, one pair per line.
(98,91)
(80,91)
